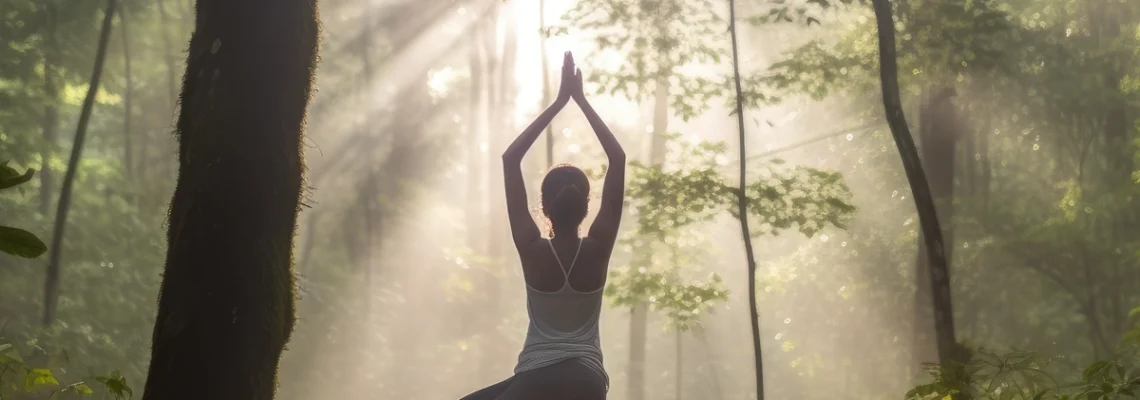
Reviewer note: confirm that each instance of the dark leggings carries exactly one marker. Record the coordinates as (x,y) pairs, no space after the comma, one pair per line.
(567,380)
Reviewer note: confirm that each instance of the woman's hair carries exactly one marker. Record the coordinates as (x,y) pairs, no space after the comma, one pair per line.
(565,196)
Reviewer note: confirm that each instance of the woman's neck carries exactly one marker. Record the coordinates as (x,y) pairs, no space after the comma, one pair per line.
(566,233)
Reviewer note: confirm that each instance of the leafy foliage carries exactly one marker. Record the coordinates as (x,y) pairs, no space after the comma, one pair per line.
(669,202)
(17,377)
(1031,214)
(1044,245)
(658,41)
(1024,375)
(782,197)
(116,242)
(14,241)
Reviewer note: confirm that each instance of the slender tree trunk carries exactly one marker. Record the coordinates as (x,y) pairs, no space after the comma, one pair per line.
(128,151)
(50,128)
(714,371)
(1118,118)
(50,122)
(742,205)
(986,173)
(545,81)
(938,130)
(226,305)
(369,238)
(167,53)
(480,116)
(638,320)
(638,336)
(165,169)
(504,93)
(368,200)
(309,227)
(51,287)
(350,230)
(948,351)
(680,373)
(309,241)
(969,164)
(639,313)
(473,210)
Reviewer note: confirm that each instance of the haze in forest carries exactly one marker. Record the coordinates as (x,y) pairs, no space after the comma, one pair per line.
(1025,114)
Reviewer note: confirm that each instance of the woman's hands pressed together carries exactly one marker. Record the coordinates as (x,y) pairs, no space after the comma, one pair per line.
(571,86)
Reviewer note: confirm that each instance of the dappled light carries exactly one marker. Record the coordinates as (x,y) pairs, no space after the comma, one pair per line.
(136,159)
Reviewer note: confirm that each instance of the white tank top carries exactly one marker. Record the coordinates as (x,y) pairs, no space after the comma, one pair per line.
(563,325)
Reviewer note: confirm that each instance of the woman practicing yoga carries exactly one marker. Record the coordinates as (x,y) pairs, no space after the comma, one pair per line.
(562,356)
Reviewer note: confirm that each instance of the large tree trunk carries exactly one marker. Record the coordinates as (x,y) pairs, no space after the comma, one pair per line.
(226,305)
(948,351)
(51,287)
(742,209)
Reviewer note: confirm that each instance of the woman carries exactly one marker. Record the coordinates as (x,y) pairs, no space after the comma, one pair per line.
(562,356)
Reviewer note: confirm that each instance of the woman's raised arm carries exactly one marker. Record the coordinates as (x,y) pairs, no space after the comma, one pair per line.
(523,228)
(606,224)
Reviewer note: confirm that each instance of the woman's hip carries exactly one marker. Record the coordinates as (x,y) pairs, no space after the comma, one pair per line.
(574,378)
(570,379)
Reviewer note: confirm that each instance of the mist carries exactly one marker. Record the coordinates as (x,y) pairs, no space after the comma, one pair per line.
(408,285)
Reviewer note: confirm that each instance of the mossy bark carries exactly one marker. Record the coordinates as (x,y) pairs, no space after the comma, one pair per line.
(226,305)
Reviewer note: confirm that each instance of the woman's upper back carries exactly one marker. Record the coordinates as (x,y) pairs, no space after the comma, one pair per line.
(572,265)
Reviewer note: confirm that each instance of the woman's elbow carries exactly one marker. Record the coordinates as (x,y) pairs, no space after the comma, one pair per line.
(510,156)
(617,157)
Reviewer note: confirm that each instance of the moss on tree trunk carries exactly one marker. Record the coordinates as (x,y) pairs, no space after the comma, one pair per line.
(226,306)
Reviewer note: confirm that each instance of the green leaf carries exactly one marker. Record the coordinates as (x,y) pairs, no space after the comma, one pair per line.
(9,177)
(39,377)
(10,357)
(117,385)
(20,243)
(1095,369)
(82,389)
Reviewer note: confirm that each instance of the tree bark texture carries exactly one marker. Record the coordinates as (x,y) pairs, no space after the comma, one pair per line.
(226,303)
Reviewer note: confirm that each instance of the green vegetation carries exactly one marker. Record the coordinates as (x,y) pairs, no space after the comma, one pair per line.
(1026,115)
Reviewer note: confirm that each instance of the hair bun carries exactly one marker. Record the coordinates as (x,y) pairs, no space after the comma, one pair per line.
(570,200)
(570,191)
(565,196)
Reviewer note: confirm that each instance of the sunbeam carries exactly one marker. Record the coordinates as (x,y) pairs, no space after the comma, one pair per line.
(415,273)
